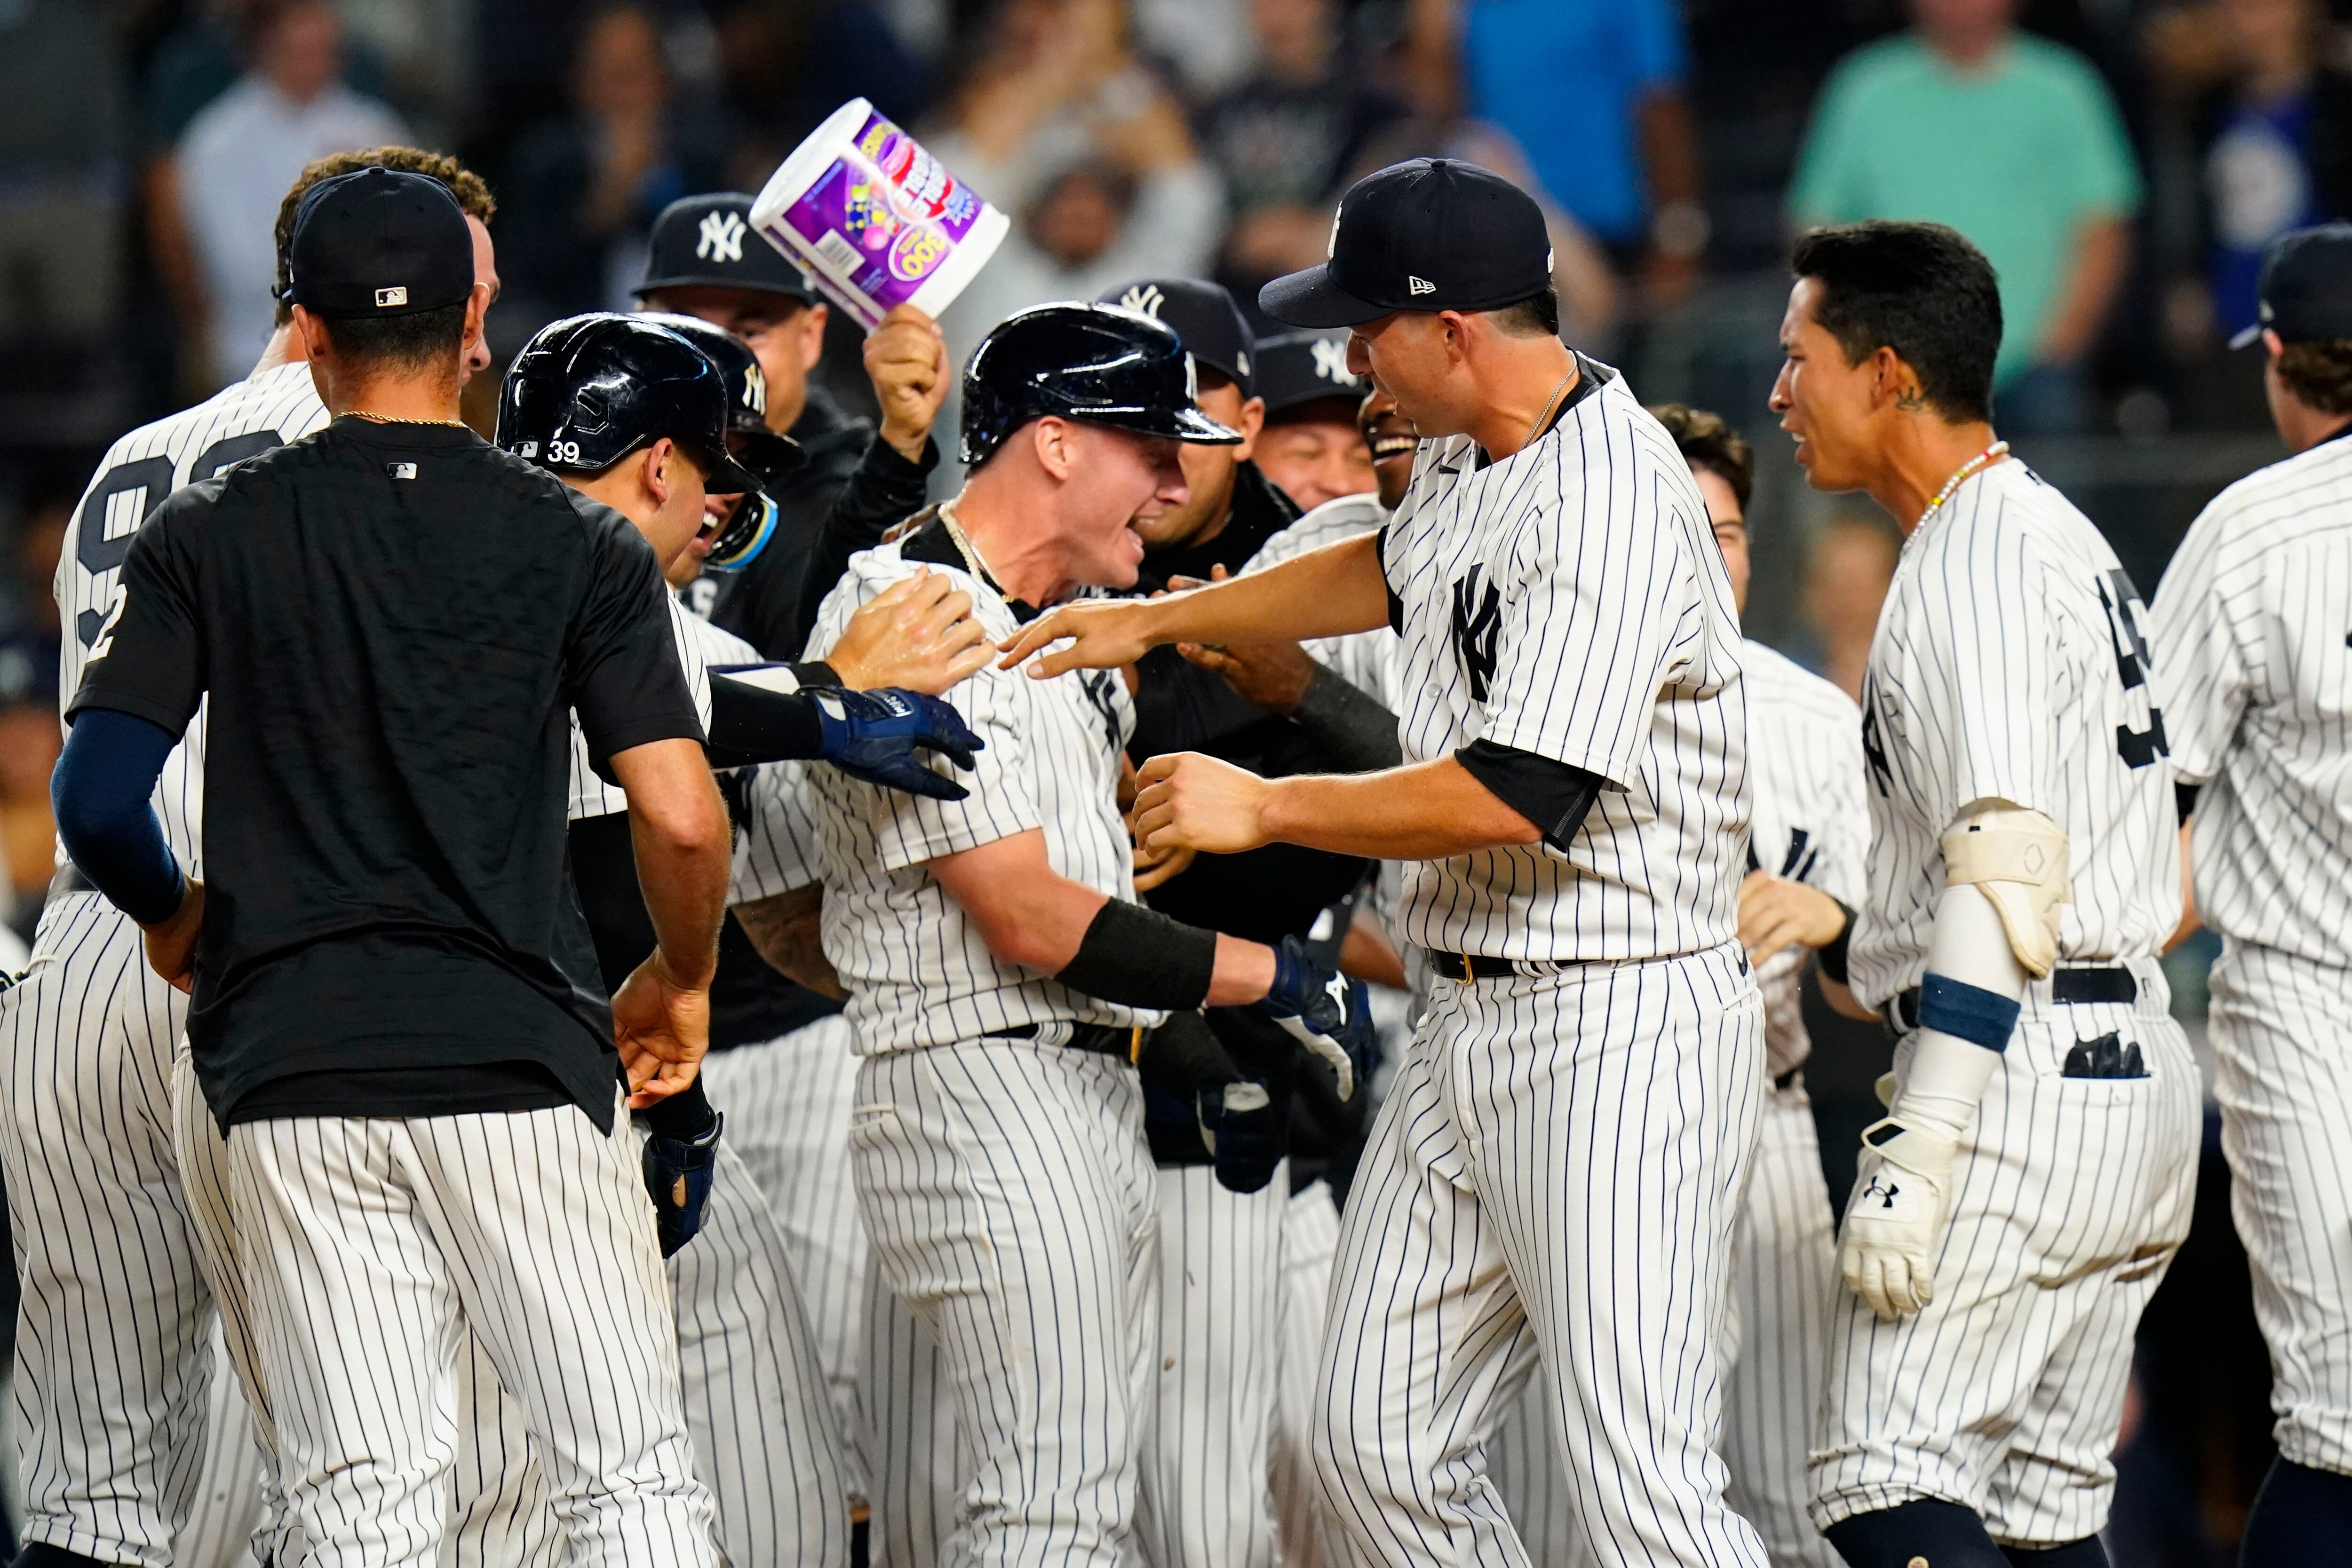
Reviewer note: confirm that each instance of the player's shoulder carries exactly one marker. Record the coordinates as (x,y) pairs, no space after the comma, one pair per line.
(2010,518)
(2277,506)
(1341,517)
(920,544)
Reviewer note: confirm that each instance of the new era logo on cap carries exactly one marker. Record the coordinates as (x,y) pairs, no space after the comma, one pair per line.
(385,298)
(1419,285)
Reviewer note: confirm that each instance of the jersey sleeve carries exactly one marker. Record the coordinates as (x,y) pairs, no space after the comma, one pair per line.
(148,659)
(1843,870)
(1594,609)
(2202,677)
(1001,797)
(777,850)
(621,658)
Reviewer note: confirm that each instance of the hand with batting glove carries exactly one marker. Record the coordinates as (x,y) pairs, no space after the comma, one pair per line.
(1894,1224)
(878,736)
(1327,1012)
(1247,1132)
(678,1173)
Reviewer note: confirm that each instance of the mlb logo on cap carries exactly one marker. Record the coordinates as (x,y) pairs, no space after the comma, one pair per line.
(386,298)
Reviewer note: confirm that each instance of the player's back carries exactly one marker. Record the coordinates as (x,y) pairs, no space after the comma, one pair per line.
(2252,633)
(266,409)
(2010,664)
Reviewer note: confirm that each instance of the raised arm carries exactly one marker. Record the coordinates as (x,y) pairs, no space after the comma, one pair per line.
(1328,592)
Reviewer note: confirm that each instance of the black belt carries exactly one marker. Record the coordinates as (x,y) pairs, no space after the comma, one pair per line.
(1124,1041)
(2079,984)
(1781,1084)
(1469,967)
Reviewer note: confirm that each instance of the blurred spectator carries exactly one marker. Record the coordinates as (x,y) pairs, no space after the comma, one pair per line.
(2271,121)
(1207,42)
(61,143)
(1845,582)
(580,191)
(216,201)
(1592,89)
(1286,139)
(2013,141)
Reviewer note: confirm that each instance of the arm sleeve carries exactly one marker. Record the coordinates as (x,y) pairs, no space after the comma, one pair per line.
(622,665)
(1552,796)
(100,792)
(1984,719)
(2202,675)
(777,849)
(1357,735)
(885,491)
(148,659)
(1593,611)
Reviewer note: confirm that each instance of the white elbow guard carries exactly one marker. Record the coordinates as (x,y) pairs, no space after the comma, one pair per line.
(2017,859)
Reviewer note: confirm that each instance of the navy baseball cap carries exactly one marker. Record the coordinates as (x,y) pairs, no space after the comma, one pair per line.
(1434,234)
(2306,286)
(709,242)
(379,242)
(1297,370)
(1204,315)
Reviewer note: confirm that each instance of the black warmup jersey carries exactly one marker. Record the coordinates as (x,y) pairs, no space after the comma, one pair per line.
(393,624)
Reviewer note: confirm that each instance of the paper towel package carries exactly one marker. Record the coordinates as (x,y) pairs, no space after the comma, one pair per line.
(877,220)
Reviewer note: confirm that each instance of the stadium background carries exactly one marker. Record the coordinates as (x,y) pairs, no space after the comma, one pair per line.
(1677,144)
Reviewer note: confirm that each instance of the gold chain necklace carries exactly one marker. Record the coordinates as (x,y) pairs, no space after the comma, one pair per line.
(962,543)
(1959,476)
(395,419)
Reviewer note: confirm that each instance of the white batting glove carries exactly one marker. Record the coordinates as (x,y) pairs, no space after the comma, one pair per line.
(1895,1221)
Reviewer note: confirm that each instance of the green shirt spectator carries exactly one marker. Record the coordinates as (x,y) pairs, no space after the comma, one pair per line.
(2019,148)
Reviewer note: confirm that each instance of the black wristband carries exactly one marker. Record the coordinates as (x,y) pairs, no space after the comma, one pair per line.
(1141,958)
(815,675)
(1833,952)
(1354,730)
(758,724)
(686,1115)
(2184,798)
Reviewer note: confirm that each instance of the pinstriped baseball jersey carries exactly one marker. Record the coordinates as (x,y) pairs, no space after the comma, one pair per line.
(1365,660)
(915,968)
(699,646)
(2252,633)
(1570,601)
(776,847)
(2010,662)
(268,409)
(1811,824)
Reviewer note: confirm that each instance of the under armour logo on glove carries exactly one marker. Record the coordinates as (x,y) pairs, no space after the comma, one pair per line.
(1323,1009)
(879,737)
(1883,1192)
(721,237)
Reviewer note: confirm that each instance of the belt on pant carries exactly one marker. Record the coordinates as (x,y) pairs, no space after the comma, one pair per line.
(2076,984)
(1124,1041)
(1470,967)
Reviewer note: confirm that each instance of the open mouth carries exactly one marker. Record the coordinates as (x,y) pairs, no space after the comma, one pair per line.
(1385,446)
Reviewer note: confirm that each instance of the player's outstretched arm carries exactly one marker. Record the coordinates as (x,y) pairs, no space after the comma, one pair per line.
(1429,811)
(1328,592)
(677,826)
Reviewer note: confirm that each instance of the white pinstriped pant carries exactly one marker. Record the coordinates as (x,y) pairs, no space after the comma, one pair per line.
(2281,1033)
(1783,1286)
(1008,1197)
(1310,1241)
(372,1244)
(2005,1394)
(115,1378)
(1560,1162)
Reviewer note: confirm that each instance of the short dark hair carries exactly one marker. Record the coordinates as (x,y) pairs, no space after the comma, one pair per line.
(2319,373)
(1707,441)
(1920,290)
(1536,316)
(411,342)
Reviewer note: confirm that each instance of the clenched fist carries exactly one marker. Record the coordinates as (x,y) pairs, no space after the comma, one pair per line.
(1196,802)
(907,361)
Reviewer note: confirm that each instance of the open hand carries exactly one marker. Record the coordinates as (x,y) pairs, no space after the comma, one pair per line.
(662,1029)
(1104,633)
(917,634)
(1894,1223)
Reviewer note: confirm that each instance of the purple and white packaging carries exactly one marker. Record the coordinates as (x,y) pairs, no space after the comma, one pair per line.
(877,220)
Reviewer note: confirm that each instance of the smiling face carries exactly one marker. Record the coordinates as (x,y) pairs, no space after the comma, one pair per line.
(1317,459)
(1209,470)
(1830,406)
(1116,483)
(1392,440)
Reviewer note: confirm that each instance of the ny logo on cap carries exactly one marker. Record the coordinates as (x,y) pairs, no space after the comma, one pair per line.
(1418,285)
(755,388)
(1331,359)
(1191,379)
(387,297)
(1331,247)
(1144,298)
(721,237)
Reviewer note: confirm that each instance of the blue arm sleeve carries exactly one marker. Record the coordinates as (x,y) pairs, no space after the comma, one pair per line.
(100,792)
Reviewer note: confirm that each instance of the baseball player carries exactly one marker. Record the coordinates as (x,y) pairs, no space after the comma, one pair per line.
(1000,974)
(1575,800)
(2020,1202)
(1807,844)
(1310,446)
(2250,633)
(112,1367)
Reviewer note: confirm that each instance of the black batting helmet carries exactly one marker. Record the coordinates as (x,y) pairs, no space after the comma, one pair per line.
(769,457)
(1091,362)
(590,390)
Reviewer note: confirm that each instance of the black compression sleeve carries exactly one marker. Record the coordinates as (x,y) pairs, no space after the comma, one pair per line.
(1141,958)
(2184,798)
(1552,795)
(1354,730)
(752,723)
(1833,951)
(686,1115)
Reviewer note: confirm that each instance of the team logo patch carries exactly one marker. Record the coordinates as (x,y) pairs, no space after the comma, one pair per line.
(1476,621)
(1331,359)
(401,470)
(1419,285)
(1144,298)
(385,298)
(755,390)
(721,237)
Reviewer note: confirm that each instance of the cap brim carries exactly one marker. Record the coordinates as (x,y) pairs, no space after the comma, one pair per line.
(2246,337)
(714,280)
(1310,298)
(726,477)
(765,452)
(1186,425)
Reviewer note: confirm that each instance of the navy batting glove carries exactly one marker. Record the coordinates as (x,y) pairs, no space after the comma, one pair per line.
(678,1173)
(1329,1013)
(877,736)
(1246,1133)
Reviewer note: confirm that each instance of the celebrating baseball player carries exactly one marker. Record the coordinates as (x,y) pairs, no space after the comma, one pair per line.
(1557,1159)
(1000,974)
(2250,631)
(2032,1179)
